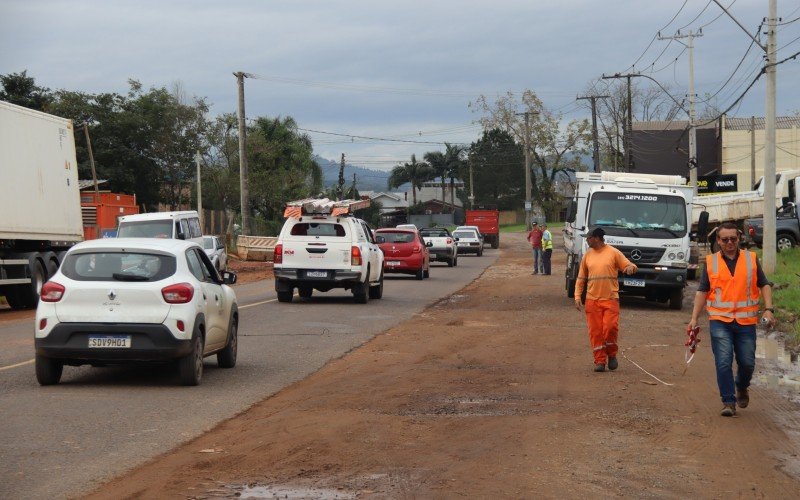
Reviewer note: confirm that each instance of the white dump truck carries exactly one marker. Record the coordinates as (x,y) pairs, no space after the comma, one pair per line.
(40,209)
(647,217)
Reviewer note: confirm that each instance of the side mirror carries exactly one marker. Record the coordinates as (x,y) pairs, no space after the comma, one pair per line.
(429,244)
(455,239)
(380,239)
(228,277)
(181,236)
(702,227)
(572,211)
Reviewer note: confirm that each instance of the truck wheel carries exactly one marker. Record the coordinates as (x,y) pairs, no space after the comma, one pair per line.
(191,366)
(285,296)
(676,299)
(28,295)
(570,288)
(361,293)
(376,291)
(496,241)
(305,292)
(13,294)
(785,242)
(48,370)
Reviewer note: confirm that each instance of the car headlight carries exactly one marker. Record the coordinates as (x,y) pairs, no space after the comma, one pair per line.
(681,255)
(671,256)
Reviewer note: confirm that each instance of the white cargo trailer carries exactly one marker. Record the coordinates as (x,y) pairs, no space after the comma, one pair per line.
(40,212)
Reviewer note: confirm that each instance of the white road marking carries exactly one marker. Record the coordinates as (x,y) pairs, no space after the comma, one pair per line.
(17,365)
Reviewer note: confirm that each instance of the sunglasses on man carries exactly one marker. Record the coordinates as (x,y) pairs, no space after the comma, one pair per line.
(730,239)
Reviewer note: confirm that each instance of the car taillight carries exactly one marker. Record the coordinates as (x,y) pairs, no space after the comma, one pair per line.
(416,249)
(180,325)
(355,256)
(52,292)
(751,230)
(277,255)
(449,240)
(42,323)
(178,294)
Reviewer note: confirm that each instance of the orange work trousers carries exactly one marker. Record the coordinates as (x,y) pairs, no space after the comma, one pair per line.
(602,318)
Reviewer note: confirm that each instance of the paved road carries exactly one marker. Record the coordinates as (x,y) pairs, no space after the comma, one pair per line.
(98,422)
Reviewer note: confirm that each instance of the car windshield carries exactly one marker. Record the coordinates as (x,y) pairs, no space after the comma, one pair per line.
(465,234)
(146,229)
(396,237)
(642,215)
(105,265)
(208,243)
(318,229)
(432,233)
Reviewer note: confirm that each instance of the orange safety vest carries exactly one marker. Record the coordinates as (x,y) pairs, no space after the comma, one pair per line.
(733,297)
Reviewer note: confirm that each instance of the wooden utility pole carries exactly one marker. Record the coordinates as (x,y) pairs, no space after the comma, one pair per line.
(596,150)
(243,181)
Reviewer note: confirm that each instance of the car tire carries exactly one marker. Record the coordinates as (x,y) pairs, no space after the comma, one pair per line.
(676,299)
(285,296)
(226,358)
(455,261)
(191,366)
(361,292)
(785,242)
(420,274)
(305,292)
(376,291)
(48,370)
(427,273)
(480,252)
(451,262)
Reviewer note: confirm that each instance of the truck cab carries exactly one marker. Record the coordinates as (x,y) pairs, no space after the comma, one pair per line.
(646,218)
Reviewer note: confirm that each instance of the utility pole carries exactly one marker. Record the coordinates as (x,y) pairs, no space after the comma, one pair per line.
(596,151)
(243,181)
(770,250)
(471,186)
(692,162)
(197,159)
(753,152)
(527,170)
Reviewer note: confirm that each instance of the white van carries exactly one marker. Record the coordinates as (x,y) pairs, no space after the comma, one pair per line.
(183,225)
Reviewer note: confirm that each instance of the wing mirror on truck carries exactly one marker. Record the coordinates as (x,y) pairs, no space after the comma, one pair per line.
(702,227)
(572,211)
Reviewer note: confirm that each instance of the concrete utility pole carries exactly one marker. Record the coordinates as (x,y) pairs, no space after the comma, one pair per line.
(753,152)
(471,187)
(596,150)
(770,69)
(527,169)
(197,159)
(692,162)
(243,181)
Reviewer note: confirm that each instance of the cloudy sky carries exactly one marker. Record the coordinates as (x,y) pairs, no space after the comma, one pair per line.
(380,72)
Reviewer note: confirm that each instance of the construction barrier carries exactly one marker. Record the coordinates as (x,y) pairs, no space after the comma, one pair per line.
(256,247)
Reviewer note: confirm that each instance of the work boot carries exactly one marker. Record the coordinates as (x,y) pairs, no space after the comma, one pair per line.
(742,397)
(612,363)
(728,410)
(599,367)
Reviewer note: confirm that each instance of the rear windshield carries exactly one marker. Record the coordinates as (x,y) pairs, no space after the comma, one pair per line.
(318,229)
(465,234)
(397,237)
(146,229)
(118,266)
(208,244)
(432,233)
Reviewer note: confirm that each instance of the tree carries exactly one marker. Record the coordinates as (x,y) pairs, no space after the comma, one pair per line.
(496,161)
(415,172)
(438,165)
(21,89)
(555,148)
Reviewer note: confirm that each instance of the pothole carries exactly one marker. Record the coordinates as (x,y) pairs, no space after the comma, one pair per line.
(780,369)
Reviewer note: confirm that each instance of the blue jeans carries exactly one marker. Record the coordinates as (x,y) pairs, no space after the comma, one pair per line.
(537,260)
(727,340)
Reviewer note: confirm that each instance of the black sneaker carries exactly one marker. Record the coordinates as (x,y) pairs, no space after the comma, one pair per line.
(742,397)
(612,363)
(729,410)
(599,367)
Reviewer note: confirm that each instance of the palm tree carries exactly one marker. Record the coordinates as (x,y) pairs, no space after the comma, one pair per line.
(438,163)
(453,161)
(415,172)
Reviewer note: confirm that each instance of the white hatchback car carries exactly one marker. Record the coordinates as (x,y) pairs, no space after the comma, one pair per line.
(215,250)
(116,301)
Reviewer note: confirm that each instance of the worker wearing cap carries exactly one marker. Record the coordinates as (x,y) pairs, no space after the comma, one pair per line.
(598,277)
(547,249)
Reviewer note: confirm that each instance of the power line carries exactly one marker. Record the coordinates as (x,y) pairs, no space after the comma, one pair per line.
(383,139)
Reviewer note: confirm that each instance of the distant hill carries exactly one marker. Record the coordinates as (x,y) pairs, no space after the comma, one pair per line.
(366,179)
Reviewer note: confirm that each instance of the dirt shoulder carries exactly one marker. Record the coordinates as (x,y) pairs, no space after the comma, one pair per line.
(491,393)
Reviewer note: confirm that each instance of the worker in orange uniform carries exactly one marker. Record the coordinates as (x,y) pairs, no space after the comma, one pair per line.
(598,275)
(730,288)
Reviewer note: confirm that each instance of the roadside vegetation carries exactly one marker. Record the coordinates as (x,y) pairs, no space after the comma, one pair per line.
(786,292)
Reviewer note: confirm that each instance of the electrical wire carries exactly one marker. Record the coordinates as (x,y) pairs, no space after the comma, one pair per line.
(655,37)
(381,139)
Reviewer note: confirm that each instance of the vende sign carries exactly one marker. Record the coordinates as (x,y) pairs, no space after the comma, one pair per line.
(710,184)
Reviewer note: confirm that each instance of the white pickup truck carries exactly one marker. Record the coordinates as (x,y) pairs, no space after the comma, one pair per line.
(441,244)
(322,247)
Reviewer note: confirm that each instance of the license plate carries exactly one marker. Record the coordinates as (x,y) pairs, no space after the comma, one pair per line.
(632,282)
(316,274)
(392,262)
(110,341)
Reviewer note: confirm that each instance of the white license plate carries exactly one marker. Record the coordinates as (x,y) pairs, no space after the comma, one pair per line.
(632,282)
(110,341)
(392,262)
(317,274)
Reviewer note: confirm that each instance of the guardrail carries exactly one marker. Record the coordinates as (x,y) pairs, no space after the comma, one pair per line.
(256,247)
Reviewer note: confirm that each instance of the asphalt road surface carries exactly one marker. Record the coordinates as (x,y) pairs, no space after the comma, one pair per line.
(98,422)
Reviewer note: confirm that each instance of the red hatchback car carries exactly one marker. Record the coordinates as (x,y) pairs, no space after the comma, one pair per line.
(404,252)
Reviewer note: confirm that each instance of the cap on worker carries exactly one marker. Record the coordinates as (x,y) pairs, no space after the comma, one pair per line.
(535,224)
(597,232)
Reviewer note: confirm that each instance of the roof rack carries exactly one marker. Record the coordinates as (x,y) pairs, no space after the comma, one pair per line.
(323,206)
